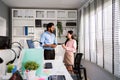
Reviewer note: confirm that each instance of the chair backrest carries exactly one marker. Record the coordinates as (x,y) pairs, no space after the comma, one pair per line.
(30,43)
(78,59)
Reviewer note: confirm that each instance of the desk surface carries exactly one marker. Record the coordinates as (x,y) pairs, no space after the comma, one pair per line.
(58,65)
(58,69)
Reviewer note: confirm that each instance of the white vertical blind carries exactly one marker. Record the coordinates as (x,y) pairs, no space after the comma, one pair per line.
(99,33)
(81,33)
(92,33)
(107,24)
(86,34)
(116,22)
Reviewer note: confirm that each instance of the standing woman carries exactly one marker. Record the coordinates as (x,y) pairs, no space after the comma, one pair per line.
(70,49)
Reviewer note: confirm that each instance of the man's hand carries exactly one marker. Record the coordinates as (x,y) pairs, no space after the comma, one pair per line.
(50,45)
(53,45)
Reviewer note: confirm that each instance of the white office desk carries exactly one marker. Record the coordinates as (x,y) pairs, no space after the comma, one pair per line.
(58,68)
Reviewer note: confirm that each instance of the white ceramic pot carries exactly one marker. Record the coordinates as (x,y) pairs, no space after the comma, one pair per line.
(30,75)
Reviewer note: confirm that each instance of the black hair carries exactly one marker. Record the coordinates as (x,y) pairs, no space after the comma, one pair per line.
(70,32)
(49,25)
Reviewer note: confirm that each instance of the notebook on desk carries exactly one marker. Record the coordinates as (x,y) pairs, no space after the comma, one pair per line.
(56,77)
(48,65)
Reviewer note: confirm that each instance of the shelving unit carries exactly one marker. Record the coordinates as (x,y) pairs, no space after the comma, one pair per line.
(31,23)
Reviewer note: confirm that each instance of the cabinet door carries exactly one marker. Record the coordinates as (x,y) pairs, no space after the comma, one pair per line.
(46,14)
(23,13)
(72,14)
(17,13)
(40,14)
(51,14)
(61,14)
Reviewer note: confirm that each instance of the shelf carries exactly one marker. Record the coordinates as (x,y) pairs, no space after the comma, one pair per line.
(47,19)
(22,36)
(70,27)
(23,18)
(23,22)
(30,23)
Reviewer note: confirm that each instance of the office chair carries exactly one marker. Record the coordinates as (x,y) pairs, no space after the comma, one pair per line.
(78,67)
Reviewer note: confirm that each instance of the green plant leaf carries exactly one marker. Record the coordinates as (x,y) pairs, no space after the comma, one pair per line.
(31,65)
(10,67)
(60,28)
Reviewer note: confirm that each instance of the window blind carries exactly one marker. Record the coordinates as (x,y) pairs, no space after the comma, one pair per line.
(81,33)
(99,32)
(107,29)
(116,24)
(86,33)
(92,33)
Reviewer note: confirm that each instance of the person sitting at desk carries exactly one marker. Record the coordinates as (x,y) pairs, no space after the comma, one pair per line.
(48,42)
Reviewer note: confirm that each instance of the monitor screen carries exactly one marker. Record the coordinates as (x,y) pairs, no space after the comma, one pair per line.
(4,42)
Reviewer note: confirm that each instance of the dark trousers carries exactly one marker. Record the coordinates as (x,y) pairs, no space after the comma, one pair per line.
(49,54)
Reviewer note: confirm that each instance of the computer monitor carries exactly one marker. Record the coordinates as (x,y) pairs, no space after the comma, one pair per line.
(4,42)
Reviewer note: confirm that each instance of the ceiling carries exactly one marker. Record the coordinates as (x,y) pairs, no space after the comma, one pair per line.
(45,3)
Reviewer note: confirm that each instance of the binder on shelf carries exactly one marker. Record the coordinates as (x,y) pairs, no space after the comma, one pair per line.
(26,30)
(30,30)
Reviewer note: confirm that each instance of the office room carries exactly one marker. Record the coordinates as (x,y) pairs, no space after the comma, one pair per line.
(59,39)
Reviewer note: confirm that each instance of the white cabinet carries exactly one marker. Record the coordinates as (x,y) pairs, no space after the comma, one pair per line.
(46,14)
(67,14)
(31,23)
(61,14)
(71,14)
(23,13)
(40,14)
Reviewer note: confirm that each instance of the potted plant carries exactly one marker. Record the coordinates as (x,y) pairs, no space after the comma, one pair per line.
(60,29)
(31,67)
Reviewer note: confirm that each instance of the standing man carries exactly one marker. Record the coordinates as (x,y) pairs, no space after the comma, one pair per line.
(48,42)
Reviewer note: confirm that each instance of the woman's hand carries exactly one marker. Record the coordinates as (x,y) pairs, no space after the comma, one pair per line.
(63,45)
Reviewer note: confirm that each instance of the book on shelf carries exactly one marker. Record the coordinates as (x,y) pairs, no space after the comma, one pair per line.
(26,30)
(29,30)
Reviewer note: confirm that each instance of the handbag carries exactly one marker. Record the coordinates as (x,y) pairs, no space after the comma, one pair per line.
(16,76)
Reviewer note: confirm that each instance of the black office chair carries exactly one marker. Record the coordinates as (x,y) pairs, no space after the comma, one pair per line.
(78,67)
